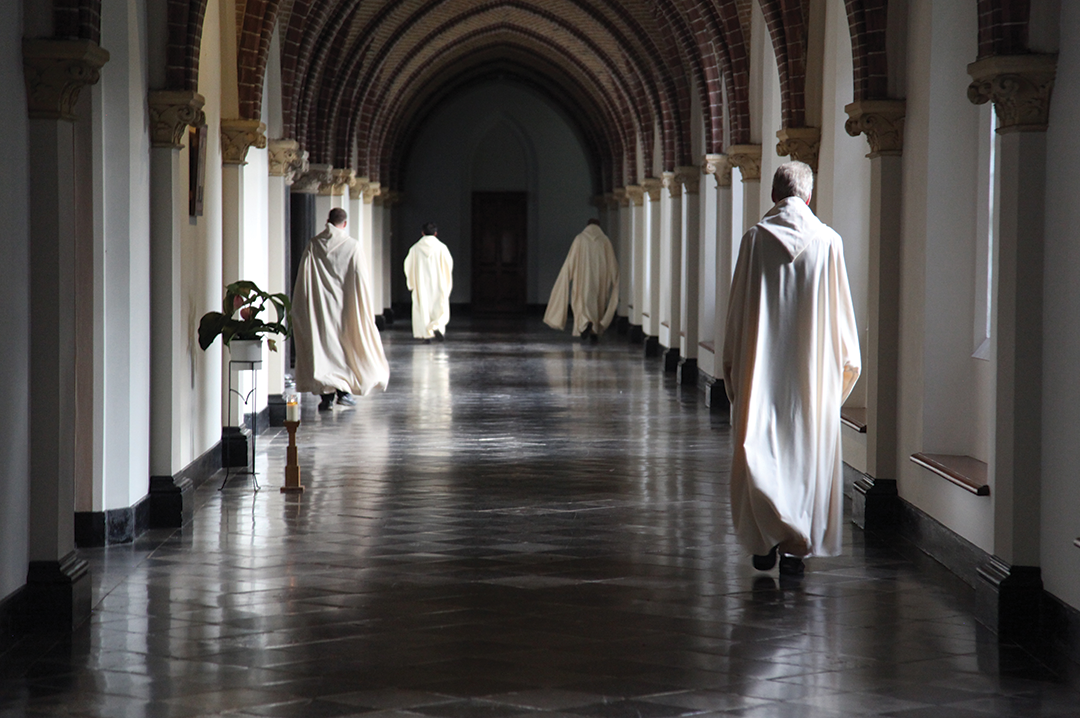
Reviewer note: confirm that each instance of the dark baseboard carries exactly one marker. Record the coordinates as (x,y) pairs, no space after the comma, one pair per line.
(622,325)
(57,595)
(671,360)
(113,526)
(275,409)
(388,315)
(637,334)
(1060,627)
(11,611)
(652,347)
(686,374)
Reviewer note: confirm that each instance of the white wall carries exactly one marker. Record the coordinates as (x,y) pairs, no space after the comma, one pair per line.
(15,319)
(531,147)
(1061,326)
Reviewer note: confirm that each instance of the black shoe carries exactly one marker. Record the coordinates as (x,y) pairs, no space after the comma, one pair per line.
(594,338)
(439,336)
(587,333)
(766,562)
(792,566)
(346,399)
(327,402)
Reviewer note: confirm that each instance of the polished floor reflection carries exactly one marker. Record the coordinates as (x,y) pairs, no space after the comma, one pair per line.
(521,526)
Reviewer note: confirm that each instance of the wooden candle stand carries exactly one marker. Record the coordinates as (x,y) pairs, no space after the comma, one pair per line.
(292,468)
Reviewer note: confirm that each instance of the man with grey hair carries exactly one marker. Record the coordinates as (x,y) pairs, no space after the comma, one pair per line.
(790,359)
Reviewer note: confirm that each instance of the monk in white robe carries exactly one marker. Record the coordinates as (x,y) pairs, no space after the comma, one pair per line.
(790,359)
(589,283)
(429,274)
(338,348)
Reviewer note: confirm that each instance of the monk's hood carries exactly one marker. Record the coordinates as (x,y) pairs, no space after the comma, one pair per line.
(428,245)
(593,232)
(791,223)
(332,236)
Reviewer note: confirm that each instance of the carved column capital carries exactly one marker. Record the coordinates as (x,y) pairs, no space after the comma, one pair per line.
(800,143)
(1019,86)
(55,71)
(309,181)
(718,165)
(653,187)
(335,184)
(238,136)
(171,113)
(358,186)
(689,178)
(671,183)
(882,121)
(373,191)
(748,159)
(636,194)
(391,197)
(287,159)
(620,196)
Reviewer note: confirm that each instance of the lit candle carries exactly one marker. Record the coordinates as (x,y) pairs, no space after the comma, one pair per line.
(292,411)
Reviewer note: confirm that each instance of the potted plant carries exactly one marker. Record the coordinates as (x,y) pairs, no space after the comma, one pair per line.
(239,322)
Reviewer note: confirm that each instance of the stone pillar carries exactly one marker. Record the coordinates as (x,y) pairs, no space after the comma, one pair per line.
(387,262)
(372,229)
(636,196)
(1008,594)
(718,165)
(171,114)
(624,248)
(650,310)
(58,581)
(882,121)
(748,159)
(287,160)
(237,137)
(688,180)
(671,290)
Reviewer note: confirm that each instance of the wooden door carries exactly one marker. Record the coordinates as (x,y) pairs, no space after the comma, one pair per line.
(499,276)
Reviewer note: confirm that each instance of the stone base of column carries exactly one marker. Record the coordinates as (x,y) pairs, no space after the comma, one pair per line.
(388,316)
(1008,600)
(622,325)
(113,526)
(234,447)
(652,346)
(171,501)
(671,360)
(380,322)
(875,504)
(716,397)
(687,373)
(637,334)
(276,410)
(57,594)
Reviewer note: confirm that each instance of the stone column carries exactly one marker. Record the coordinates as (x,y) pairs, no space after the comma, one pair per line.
(718,165)
(380,226)
(673,271)
(171,114)
(372,221)
(388,264)
(882,121)
(748,159)
(689,180)
(636,196)
(1008,594)
(58,581)
(287,160)
(624,248)
(650,310)
(237,137)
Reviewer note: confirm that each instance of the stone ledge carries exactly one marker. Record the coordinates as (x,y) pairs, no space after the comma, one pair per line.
(967,473)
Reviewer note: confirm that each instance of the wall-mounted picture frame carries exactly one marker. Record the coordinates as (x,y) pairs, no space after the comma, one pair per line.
(197,169)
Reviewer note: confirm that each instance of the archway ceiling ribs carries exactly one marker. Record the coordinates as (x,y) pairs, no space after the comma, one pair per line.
(185,19)
(255,22)
(524,68)
(584,47)
(369,37)
(786,21)
(609,116)
(867,23)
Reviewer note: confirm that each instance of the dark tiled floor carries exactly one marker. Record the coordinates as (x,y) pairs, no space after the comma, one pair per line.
(520,526)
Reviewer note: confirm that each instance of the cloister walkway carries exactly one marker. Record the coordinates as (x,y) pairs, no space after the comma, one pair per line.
(521,525)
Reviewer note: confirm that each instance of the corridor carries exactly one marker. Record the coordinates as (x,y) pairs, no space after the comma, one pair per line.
(521,525)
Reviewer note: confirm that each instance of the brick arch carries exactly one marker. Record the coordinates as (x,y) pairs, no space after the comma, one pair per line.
(605,111)
(255,29)
(867,23)
(786,21)
(615,103)
(1003,27)
(77,20)
(645,98)
(185,18)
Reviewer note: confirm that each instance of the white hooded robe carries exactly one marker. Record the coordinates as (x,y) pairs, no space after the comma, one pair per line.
(791,357)
(588,281)
(338,347)
(429,274)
